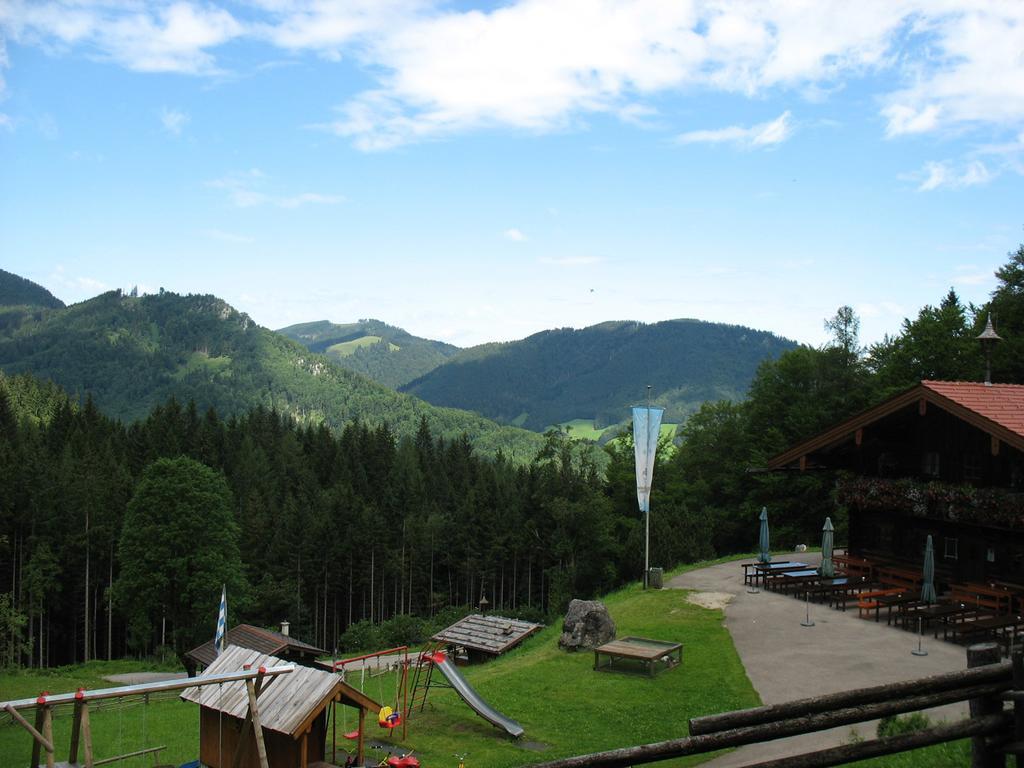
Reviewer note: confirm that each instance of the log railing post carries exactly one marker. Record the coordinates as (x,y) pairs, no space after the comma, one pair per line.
(983,755)
(1018,704)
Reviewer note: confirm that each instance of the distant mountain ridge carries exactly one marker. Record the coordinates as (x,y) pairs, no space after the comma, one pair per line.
(596,373)
(17,291)
(384,353)
(131,353)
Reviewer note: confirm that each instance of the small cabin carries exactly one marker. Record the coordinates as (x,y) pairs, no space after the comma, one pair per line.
(279,644)
(297,712)
(480,637)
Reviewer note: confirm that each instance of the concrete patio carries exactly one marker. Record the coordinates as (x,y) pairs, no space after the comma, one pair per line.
(785,660)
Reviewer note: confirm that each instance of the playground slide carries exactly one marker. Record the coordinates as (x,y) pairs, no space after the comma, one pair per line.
(471,697)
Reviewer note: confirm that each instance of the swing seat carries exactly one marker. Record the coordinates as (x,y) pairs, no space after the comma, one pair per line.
(391,721)
(352,735)
(409,761)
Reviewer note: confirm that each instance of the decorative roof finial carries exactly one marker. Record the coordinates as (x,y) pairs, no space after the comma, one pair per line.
(988,339)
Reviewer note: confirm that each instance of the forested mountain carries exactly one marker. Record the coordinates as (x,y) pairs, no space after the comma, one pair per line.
(17,291)
(598,372)
(386,354)
(131,353)
(104,524)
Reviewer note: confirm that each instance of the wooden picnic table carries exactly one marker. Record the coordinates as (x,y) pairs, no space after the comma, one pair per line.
(763,571)
(937,613)
(988,626)
(790,580)
(642,649)
(749,572)
(898,601)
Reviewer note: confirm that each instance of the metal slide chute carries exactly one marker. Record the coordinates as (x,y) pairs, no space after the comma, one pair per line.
(471,697)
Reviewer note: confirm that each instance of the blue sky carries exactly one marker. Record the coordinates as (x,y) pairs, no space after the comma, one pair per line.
(477,172)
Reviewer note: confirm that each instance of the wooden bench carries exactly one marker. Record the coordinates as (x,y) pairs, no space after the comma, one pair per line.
(993,598)
(866,602)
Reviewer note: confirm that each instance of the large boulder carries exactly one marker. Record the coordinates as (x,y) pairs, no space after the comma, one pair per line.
(587,625)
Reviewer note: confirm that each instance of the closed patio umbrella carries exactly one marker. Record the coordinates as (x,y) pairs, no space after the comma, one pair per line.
(764,556)
(828,568)
(928,585)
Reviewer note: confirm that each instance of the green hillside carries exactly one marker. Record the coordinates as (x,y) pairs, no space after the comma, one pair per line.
(134,353)
(388,355)
(596,373)
(17,291)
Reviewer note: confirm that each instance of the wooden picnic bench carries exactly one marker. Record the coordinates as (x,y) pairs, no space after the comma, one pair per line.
(652,655)
(764,572)
(853,565)
(867,601)
(992,597)
(900,578)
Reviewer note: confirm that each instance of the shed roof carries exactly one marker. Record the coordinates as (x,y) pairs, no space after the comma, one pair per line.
(997,409)
(258,639)
(490,634)
(287,703)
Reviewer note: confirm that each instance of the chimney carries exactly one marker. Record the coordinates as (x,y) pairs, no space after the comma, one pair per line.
(284,628)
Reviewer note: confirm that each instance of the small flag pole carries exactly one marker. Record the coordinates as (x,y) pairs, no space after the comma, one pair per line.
(220,638)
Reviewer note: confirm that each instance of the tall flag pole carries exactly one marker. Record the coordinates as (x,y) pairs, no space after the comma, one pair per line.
(220,639)
(646,428)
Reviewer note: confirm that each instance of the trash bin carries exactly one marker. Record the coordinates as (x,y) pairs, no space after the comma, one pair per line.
(654,577)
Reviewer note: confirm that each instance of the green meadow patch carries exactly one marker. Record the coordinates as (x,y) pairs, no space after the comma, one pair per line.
(346,348)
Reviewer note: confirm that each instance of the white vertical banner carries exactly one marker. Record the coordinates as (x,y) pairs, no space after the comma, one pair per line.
(646,428)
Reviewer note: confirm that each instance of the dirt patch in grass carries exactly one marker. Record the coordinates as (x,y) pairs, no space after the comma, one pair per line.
(712,600)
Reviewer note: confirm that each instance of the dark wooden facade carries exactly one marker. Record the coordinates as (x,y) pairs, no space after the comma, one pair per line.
(220,734)
(945,459)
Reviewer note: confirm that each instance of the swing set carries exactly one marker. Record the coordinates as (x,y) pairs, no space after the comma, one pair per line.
(81,727)
(389,717)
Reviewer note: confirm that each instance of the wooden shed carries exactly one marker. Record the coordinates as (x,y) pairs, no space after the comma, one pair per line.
(484,636)
(294,711)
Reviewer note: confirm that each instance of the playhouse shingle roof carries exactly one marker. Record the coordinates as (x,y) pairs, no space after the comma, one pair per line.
(287,703)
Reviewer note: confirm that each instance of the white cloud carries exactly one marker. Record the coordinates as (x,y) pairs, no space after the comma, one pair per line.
(6,122)
(761,135)
(944,175)
(245,190)
(173,120)
(547,65)
(169,37)
(514,235)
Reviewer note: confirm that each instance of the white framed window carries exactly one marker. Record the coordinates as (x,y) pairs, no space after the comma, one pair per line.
(951,548)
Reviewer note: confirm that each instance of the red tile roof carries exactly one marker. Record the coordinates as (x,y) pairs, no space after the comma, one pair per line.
(997,409)
(1002,404)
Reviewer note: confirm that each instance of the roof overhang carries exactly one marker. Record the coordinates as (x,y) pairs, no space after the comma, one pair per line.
(920,393)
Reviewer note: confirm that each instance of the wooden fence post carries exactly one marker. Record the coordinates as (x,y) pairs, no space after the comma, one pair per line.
(983,755)
(1018,704)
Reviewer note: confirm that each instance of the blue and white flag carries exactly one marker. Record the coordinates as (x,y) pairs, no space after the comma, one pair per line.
(646,428)
(222,621)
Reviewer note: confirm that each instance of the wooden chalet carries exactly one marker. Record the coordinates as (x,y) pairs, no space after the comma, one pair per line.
(944,458)
(297,712)
(482,636)
(258,639)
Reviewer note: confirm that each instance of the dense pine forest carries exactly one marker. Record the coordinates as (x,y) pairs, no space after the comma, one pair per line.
(115,537)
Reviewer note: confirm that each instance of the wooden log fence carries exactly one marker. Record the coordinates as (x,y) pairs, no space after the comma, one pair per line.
(81,731)
(985,684)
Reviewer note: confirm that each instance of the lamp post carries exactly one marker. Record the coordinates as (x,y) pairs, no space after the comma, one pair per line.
(988,339)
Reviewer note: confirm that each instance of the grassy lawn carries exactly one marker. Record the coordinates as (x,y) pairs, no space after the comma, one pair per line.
(584,429)
(346,348)
(117,727)
(567,708)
